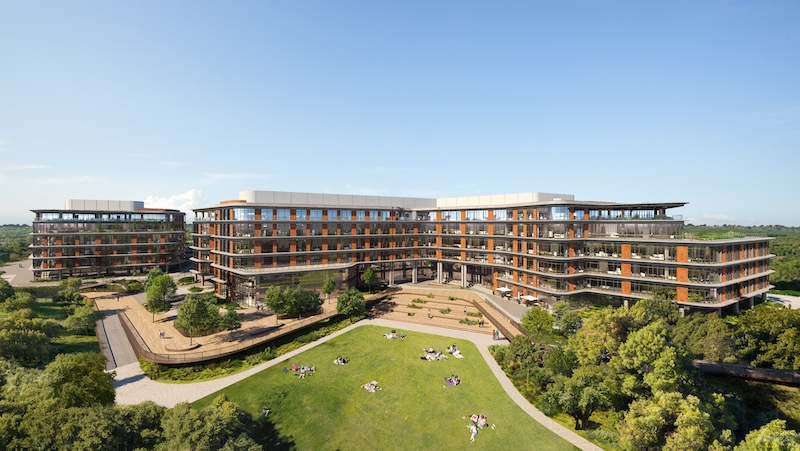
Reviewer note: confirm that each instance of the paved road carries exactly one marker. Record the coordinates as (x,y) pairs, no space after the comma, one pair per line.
(133,387)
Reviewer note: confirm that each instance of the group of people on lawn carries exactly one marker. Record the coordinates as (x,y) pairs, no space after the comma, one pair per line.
(303,370)
(478,421)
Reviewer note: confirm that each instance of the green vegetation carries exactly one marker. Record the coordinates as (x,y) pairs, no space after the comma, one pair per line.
(292,301)
(413,407)
(412,305)
(14,242)
(369,278)
(624,375)
(160,290)
(188,280)
(419,301)
(351,303)
(431,296)
(468,322)
(247,359)
(195,289)
(445,311)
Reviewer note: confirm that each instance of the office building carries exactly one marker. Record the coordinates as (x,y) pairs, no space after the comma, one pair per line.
(106,237)
(537,247)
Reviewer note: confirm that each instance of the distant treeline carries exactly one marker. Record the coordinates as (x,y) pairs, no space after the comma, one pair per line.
(14,241)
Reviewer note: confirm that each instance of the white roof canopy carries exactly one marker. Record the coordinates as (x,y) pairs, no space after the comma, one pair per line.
(504,289)
(529,298)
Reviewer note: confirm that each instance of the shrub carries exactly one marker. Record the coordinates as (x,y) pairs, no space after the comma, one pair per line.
(475,314)
(452,298)
(431,296)
(389,298)
(411,313)
(468,322)
(419,301)
(188,280)
(134,286)
(195,289)
(445,311)
(413,306)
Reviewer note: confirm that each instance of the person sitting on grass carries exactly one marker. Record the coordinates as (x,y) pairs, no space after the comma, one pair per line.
(371,386)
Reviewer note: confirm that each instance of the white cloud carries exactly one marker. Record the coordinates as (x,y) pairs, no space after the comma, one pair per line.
(184,202)
(173,163)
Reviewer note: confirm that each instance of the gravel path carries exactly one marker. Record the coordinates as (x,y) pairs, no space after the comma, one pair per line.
(133,387)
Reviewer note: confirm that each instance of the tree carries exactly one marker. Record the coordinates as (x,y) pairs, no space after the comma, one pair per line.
(83,320)
(18,301)
(78,380)
(221,425)
(69,292)
(537,321)
(292,301)
(646,311)
(579,395)
(328,287)
(230,320)
(6,290)
(651,361)
(351,303)
(159,292)
(706,337)
(561,361)
(369,277)
(27,347)
(198,314)
(599,338)
(569,324)
(152,275)
(773,436)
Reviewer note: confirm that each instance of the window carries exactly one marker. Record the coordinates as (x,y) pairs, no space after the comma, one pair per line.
(346,215)
(300,215)
(283,214)
(266,214)
(500,215)
(239,214)
(316,215)
(333,215)
(360,215)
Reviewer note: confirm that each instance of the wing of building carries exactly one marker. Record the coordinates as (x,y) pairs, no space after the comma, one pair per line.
(106,237)
(538,245)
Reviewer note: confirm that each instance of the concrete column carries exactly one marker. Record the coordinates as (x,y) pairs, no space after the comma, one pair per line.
(736,308)
(439,277)
(414,272)
(750,302)
(626,303)
(391,274)
(463,276)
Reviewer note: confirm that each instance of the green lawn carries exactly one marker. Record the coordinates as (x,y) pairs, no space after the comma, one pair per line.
(413,410)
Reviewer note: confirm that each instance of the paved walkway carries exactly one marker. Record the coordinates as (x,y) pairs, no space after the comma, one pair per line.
(133,387)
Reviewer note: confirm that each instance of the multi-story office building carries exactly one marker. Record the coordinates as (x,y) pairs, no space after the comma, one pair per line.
(106,237)
(529,246)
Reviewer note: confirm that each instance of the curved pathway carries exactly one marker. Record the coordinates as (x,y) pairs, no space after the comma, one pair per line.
(133,387)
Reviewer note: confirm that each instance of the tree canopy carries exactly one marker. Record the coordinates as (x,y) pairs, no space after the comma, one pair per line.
(160,289)
(292,301)
(537,321)
(198,314)
(351,303)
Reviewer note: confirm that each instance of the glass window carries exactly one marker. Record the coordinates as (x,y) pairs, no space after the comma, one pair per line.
(373,215)
(385,215)
(316,215)
(345,215)
(501,215)
(240,214)
(300,215)
(451,215)
(333,215)
(360,215)
(283,214)
(266,214)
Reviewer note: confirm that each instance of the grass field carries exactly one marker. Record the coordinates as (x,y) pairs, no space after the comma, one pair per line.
(413,410)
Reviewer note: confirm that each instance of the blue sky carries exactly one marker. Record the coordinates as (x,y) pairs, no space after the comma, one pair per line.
(184,103)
